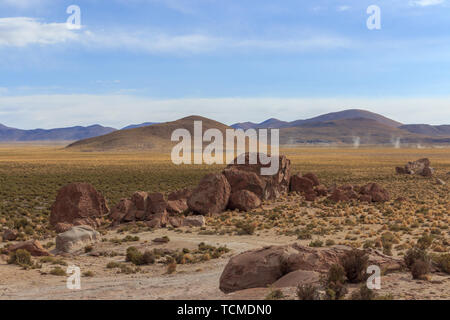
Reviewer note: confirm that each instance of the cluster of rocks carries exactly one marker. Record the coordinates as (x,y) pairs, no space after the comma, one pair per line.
(309,185)
(290,265)
(371,192)
(419,167)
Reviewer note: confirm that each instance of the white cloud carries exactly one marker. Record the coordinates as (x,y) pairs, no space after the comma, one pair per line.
(343,8)
(22,4)
(23,31)
(426,3)
(50,111)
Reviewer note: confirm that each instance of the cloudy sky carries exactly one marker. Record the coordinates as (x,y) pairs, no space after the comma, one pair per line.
(134,61)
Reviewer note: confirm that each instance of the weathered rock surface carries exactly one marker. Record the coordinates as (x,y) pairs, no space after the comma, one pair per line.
(248,176)
(211,195)
(244,200)
(78,203)
(76,238)
(194,221)
(34,247)
(301,184)
(419,167)
(298,277)
(263,267)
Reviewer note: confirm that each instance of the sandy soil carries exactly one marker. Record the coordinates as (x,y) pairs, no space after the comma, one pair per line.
(191,281)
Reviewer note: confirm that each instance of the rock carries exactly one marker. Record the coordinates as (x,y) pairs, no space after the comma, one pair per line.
(140,200)
(377,193)
(62,227)
(263,267)
(427,172)
(156,203)
(194,221)
(339,195)
(76,238)
(265,187)
(161,240)
(400,199)
(176,222)
(365,198)
(440,182)
(298,277)
(9,235)
(419,167)
(313,178)
(321,191)
(125,209)
(158,220)
(301,184)
(244,200)
(211,195)
(34,247)
(78,201)
(177,206)
(311,196)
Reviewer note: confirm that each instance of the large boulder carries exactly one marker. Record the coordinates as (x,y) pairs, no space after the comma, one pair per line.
(298,277)
(244,200)
(264,267)
(313,178)
(76,238)
(211,195)
(177,201)
(34,247)
(245,176)
(301,184)
(78,202)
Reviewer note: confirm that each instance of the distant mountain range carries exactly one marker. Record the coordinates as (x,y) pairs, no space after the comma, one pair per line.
(345,127)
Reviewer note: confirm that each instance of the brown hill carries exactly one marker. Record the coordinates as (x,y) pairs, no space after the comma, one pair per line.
(154,137)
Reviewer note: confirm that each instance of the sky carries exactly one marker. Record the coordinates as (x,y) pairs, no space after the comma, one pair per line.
(134,61)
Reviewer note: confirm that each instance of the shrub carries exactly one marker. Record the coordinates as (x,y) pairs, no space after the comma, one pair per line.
(335,282)
(58,271)
(316,243)
(443,262)
(134,256)
(88,248)
(88,274)
(275,294)
(355,265)
(307,292)
(419,269)
(363,293)
(425,241)
(172,267)
(415,254)
(20,257)
(113,264)
(148,257)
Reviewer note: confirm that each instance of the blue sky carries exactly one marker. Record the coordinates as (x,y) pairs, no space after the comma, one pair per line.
(158,60)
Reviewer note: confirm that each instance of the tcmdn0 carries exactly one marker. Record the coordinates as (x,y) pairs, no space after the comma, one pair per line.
(213,153)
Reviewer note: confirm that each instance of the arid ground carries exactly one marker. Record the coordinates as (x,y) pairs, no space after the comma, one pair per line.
(30,177)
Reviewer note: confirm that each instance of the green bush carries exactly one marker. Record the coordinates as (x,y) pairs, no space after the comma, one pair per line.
(355,264)
(58,271)
(363,293)
(415,254)
(307,292)
(20,257)
(443,262)
(335,282)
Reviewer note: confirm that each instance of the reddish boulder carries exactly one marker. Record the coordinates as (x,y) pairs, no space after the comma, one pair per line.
(264,186)
(264,267)
(180,194)
(244,200)
(156,203)
(377,193)
(140,199)
(194,221)
(339,195)
(211,195)
(420,167)
(301,184)
(78,201)
(321,191)
(124,211)
(313,178)
(34,247)
(365,198)
(177,201)
(9,235)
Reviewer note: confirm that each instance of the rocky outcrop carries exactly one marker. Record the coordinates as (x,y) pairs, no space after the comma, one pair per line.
(211,195)
(177,201)
(418,167)
(248,176)
(266,266)
(78,203)
(76,238)
(194,221)
(244,200)
(371,192)
(34,247)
